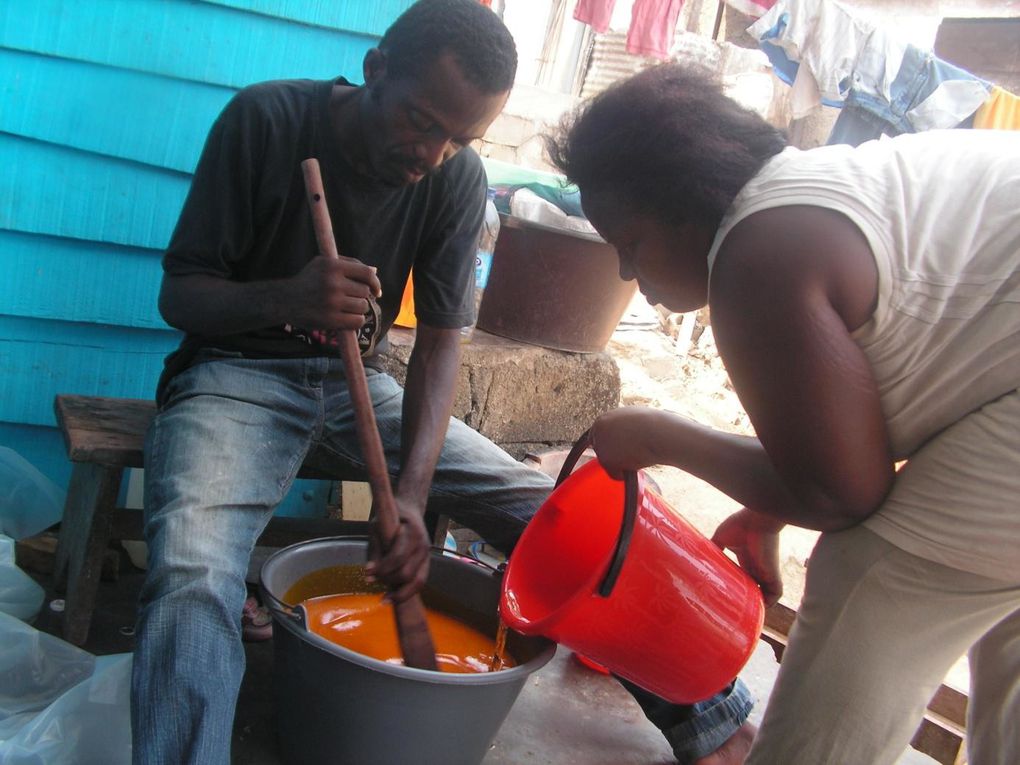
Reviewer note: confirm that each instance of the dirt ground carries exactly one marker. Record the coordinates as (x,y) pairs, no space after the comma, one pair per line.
(656,371)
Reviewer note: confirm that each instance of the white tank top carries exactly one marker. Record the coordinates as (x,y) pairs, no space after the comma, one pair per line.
(941,213)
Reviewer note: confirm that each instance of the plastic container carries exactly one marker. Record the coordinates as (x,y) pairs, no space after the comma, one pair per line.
(553,288)
(527,205)
(405,316)
(610,570)
(337,706)
(483,256)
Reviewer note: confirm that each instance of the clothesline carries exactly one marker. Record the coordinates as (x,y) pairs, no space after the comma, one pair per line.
(831,56)
(885,86)
(652,22)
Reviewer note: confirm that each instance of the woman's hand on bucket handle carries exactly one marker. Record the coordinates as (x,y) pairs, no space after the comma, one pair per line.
(754,538)
(623,439)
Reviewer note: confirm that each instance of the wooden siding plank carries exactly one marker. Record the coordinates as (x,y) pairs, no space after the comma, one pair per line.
(50,189)
(69,280)
(39,359)
(95,176)
(188,40)
(147,118)
(364,18)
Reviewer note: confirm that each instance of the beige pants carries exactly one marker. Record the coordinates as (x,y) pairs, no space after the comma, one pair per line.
(875,635)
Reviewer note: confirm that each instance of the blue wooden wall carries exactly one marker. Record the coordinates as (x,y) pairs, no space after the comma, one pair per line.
(104,106)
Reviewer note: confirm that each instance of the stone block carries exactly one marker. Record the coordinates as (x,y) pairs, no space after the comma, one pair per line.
(510,130)
(522,396)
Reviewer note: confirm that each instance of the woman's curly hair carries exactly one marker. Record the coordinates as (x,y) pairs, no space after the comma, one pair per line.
(666,143)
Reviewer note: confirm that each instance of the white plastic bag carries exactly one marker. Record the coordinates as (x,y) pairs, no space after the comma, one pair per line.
(528,205)
(36,668)
(20,596)
(59,704)
(29,501)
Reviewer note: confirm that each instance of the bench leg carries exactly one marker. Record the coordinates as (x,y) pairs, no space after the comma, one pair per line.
(84,532)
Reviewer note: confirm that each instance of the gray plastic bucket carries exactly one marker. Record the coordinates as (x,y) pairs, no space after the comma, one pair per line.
(336,706)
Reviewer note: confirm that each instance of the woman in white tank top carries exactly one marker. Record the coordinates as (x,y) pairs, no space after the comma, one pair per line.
(866,303)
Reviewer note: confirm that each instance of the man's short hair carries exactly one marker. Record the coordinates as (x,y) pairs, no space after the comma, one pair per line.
(477,38)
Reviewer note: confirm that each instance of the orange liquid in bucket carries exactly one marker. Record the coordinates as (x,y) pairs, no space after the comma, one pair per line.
(329,581)
(362,622)
(682,618)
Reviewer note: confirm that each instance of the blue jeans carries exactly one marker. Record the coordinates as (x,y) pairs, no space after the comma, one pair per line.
(222,452)
(869,113)
(699,729)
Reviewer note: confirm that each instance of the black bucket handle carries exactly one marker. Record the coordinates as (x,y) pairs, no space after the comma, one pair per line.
(285,612)
(630,497)
(469,559)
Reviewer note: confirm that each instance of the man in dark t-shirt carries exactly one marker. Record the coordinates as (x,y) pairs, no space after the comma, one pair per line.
(256,382)
(246,219)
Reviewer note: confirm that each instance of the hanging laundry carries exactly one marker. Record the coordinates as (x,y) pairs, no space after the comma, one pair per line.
(652,26)
(1000,112)
(752,8)
(595,13)
(652,23)
(926,94)
(884,85)
(821,36)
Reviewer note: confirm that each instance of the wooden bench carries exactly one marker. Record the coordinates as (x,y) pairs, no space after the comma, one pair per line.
(104,436)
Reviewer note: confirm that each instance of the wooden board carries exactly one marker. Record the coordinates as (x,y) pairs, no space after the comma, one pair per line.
(107,431)
(111,432)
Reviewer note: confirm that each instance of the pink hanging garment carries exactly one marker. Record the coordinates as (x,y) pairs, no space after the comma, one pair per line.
(595,13)
(652,24)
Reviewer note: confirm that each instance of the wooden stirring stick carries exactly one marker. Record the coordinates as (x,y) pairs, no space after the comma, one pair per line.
(412,629)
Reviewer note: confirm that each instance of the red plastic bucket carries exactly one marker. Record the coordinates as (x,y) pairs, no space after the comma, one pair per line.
(610,570)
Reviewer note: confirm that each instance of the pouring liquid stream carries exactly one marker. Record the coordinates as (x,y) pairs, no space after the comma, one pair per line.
(499,656)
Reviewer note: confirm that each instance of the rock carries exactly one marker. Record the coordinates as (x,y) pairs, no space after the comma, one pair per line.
(522,396)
